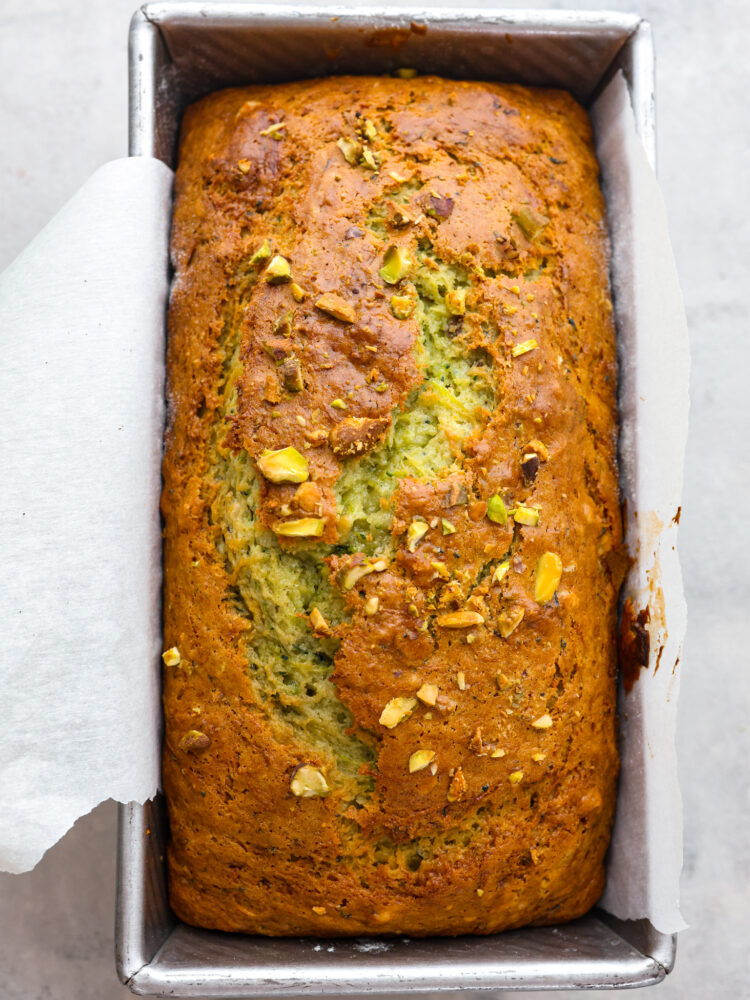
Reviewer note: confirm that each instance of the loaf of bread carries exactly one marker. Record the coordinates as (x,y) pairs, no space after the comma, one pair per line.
(392,526)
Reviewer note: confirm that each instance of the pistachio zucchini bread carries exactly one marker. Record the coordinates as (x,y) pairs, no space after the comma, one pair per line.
(392,532)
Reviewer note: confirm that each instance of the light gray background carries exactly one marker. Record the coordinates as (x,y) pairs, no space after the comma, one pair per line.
(63,113)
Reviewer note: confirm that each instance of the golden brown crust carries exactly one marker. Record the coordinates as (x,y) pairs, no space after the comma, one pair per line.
(504,850)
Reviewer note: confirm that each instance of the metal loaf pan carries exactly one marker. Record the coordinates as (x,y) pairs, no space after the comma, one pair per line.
(178,52)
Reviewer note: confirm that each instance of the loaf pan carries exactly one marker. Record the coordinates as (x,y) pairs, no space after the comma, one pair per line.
(179,52)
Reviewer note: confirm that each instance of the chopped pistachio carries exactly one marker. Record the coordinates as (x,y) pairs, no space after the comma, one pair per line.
(308,782)
(351,148)
(396,711)
(244,166)
(548,574)
(371,605)
(337,307)
(283,325)
(369,130)
(529,466)
(480,892)
(380,565)
(539,449)
(355,573)
(402,306)
(508,621)
(291,375)
(496,510)
(277,348)
(406,73)
(530,223)
(460,619)
(498,753)
(441,569)
(428,694)
(448,527)
(286,465)
(399,216)
(274,130)
(501,571)
(318,622)
(523,348)
(515,777)
(539,757)
(278,271)
(439,206)
(415,533)
(171,657)
(194,740)
(369,159)
(543,722)
(526,515)
(339,404)
(420,759)
(262,253)
(303,527)
(396,264)
(455,302)
(298,294)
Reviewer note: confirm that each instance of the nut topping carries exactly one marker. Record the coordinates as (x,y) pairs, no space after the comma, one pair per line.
(194,740)
(548,574)
(286,465)
(530,223)
(262,253)
(496,510)
(420,759)
(278,271)
(396,711)
(529,466)
(543,722)
(396,265)
(428,694)
(304,527)
(415,533)
(337,307)
(508,621)
(523,348)
(318,623)
(526,515)
(308,782)
(460,619)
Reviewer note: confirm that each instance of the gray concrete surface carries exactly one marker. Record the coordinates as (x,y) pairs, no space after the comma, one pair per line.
(63,113)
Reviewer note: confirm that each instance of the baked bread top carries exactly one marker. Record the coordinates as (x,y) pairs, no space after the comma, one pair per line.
(392,533)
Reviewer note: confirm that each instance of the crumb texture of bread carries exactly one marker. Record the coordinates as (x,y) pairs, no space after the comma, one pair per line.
(393,545)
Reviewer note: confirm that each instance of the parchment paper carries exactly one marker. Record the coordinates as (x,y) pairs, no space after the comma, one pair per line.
(645,859)
(81,390)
